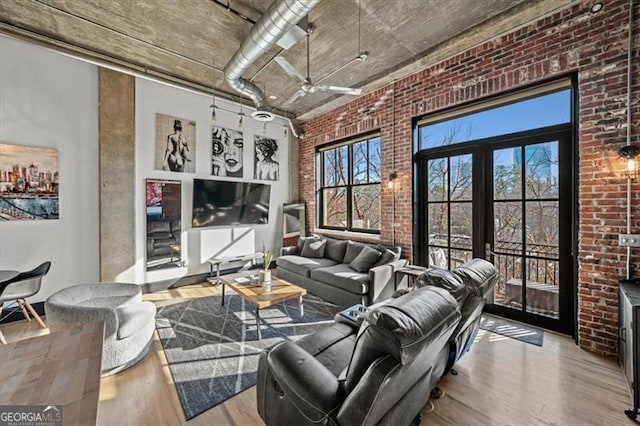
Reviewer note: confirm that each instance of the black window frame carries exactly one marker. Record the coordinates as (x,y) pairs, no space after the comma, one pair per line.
(349,185)
(568,150)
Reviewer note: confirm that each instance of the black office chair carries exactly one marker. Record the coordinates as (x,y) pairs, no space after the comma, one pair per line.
(26,284)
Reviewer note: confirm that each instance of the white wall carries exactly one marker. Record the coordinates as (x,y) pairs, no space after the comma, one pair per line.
(50,100)
(201,243)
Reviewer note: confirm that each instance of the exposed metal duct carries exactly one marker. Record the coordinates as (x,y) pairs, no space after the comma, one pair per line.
(277,21)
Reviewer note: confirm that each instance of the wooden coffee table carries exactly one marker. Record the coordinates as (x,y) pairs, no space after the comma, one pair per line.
(262,297)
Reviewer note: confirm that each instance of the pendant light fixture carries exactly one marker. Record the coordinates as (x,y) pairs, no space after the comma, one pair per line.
(241,115)
(629,153)
(213,108)
(213,95)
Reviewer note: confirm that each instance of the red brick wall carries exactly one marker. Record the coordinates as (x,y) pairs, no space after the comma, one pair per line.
(571,41)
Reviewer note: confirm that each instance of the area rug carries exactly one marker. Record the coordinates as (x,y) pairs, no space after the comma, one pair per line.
(213,351)
(513,329)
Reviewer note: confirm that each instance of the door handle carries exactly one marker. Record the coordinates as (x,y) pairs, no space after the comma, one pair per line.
(488,252)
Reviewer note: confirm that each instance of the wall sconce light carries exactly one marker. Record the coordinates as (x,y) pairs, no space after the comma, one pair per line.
(630,154)
(392,179)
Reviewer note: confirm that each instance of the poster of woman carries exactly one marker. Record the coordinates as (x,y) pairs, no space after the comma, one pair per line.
(266,159)
(175,144)
(227,147)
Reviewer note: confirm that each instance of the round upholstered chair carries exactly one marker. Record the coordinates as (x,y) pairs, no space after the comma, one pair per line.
(129,322)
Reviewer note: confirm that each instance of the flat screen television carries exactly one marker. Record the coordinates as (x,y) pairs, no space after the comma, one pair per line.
(221,202)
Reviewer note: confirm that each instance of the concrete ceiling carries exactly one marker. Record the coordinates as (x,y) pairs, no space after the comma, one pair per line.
(191,41)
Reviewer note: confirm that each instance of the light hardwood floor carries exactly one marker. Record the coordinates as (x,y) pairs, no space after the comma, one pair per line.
(502,381)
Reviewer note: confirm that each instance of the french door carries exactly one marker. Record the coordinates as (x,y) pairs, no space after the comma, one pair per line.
(508,199)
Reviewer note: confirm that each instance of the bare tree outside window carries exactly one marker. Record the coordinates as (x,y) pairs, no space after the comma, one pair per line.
(336,164)
(534,230)
(350,186)
(450,213)
(522,199)
(450,209)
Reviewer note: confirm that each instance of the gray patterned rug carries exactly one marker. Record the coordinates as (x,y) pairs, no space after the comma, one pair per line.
(515,330)
(213,351)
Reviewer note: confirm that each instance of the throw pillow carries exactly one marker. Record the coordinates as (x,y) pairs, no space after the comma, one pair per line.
(365,259)
(301,241)
(313,248)
(335,249)
(388,255)
(353,249)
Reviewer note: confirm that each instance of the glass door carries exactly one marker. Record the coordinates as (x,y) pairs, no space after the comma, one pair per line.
(507,199)
(528,234)
(449,210)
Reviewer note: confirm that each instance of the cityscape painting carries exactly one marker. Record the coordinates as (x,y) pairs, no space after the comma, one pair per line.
(29,180)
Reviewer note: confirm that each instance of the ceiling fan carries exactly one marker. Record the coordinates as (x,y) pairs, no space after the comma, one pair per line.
(307,85)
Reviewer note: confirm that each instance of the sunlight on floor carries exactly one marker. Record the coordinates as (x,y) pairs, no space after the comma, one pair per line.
(496,337)
(156,297)
(108,390)
(515,331)
(489,336)
(177,295)
(164,365)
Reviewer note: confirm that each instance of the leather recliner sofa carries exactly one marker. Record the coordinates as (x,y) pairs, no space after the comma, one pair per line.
(382,371)
(379,373)
(470,283)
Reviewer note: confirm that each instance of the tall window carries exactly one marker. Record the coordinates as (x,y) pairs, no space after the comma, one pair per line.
(349,195)
(494,180)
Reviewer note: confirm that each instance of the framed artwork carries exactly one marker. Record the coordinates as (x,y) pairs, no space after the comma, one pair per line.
(266,159)
(29,179)
(227,148)
(175,144)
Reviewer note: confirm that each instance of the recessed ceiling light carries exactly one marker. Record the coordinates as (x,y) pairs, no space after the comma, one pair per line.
(273,97)
(597,7)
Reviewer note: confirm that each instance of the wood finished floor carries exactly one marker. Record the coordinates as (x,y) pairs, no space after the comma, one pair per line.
(502,381)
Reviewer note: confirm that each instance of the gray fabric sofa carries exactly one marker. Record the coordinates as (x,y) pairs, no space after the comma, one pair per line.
(129,322)
(330,273)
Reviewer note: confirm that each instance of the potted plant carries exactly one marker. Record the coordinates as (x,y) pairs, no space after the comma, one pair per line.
(265,272)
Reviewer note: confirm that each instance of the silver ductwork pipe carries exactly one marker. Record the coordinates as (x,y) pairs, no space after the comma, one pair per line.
(278,19)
